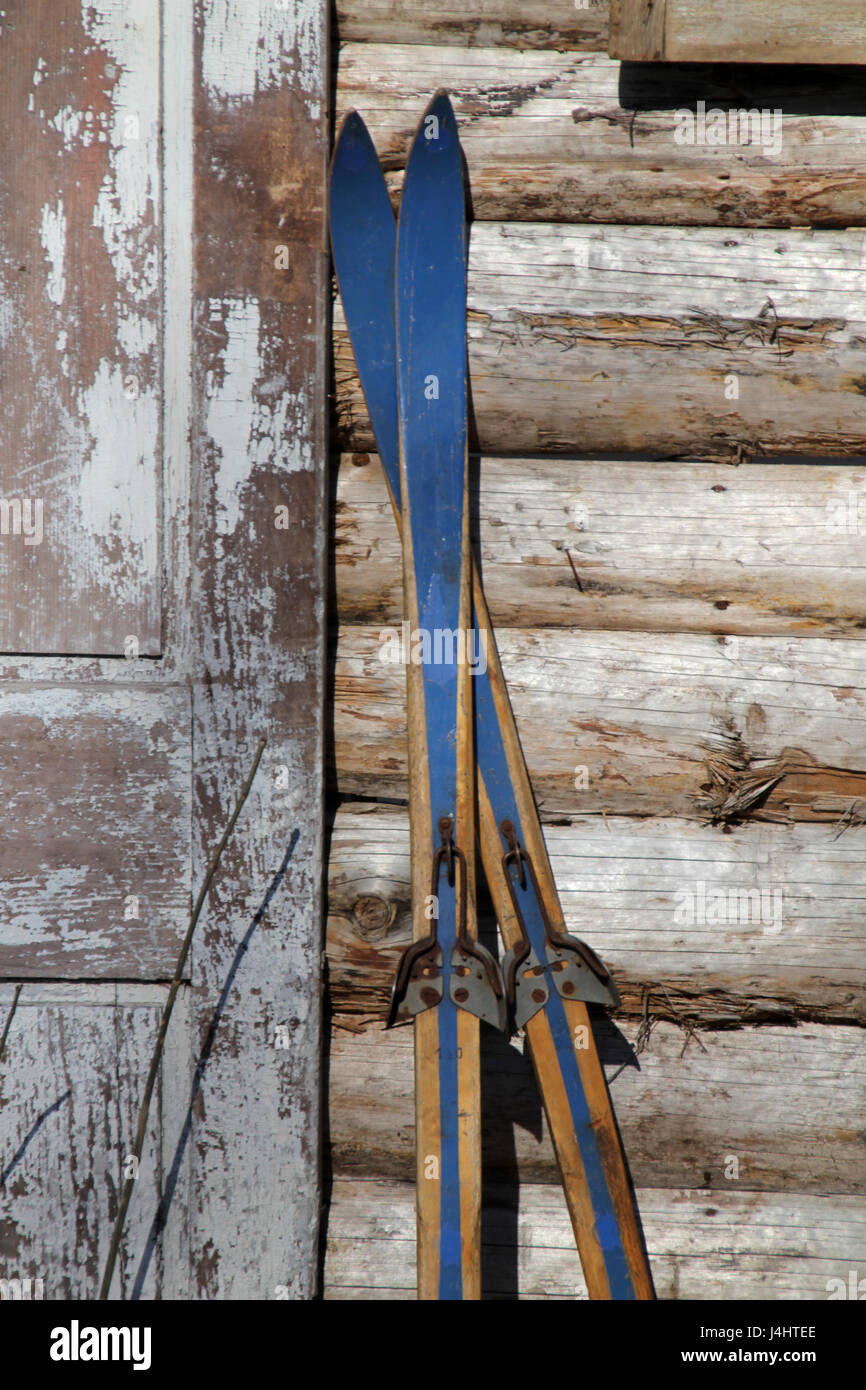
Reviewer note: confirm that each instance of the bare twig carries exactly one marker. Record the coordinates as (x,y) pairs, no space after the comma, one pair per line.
(144,1110)
(574,571)
(9,1019)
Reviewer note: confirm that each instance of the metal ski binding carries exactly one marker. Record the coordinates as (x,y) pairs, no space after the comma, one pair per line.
(572,966)
(474,982)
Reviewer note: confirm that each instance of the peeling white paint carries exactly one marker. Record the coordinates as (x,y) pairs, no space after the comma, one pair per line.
(232,404)
(252,423)
(129,31)
(116,493)
(53,237)
(136,335)
(248,45)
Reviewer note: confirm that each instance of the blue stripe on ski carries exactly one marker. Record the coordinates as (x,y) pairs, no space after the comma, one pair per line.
(431,382)
(497,781)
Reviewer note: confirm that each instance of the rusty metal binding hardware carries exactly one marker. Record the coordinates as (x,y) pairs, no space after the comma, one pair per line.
(474,981)
(574,969)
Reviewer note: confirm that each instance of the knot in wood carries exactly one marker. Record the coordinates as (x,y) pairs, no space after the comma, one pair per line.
(372,917)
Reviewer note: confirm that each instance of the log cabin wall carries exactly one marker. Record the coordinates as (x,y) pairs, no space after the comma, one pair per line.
(666,349)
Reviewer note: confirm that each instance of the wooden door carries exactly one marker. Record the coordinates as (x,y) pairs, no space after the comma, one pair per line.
(162,330)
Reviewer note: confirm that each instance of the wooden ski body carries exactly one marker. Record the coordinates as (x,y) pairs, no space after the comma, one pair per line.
(541,960)
(432,416)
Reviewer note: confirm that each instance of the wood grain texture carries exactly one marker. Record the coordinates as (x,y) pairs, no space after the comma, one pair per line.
(703,1245)
(665,547)
(579,137)
(631,890)
(690,342)
(69,1093)
(259,383)
(637,29)
(80,289)
(702,727)
(511,23)
(94,849)
(737,31)
(786,1103)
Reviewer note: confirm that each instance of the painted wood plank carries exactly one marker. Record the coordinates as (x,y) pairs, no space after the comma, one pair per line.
(259,383)
(779,1107)
(512,23)
(94,850)
(695,547)
(71,1083)
(679,342)
(703,1245)
(637,723)
(580,137)
(737,31)
(763,923)
(81,288)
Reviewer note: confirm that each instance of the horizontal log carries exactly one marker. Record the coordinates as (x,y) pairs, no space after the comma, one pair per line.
(511,23)
(666,547)
(738,31)
(665,904)
(94,854)
(578,137)
(720,1245)
(785,1103)
(637,724)
(682,342)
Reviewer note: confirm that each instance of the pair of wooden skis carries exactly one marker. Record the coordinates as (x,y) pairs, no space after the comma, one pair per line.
(403,290)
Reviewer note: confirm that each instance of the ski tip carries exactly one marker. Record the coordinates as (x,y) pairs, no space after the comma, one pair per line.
(441,109)
(354,148)
(436,138)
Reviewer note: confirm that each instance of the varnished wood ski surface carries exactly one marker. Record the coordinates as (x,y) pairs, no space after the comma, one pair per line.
(434,506)
(573,1088)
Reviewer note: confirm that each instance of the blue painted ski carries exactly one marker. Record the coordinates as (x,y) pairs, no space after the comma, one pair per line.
(431,393)
(551,976)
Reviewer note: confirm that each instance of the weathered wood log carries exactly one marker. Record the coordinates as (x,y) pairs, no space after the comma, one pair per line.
(578,137)
(762,924)
(702,1245)
(634,724)
(94,853)
(665,547)
(785,1103)
(682,342)
(513,23)
(737,31)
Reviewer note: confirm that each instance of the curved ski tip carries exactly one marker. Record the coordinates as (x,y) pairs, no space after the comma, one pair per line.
(437,128)
(354,146)
(441,106)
